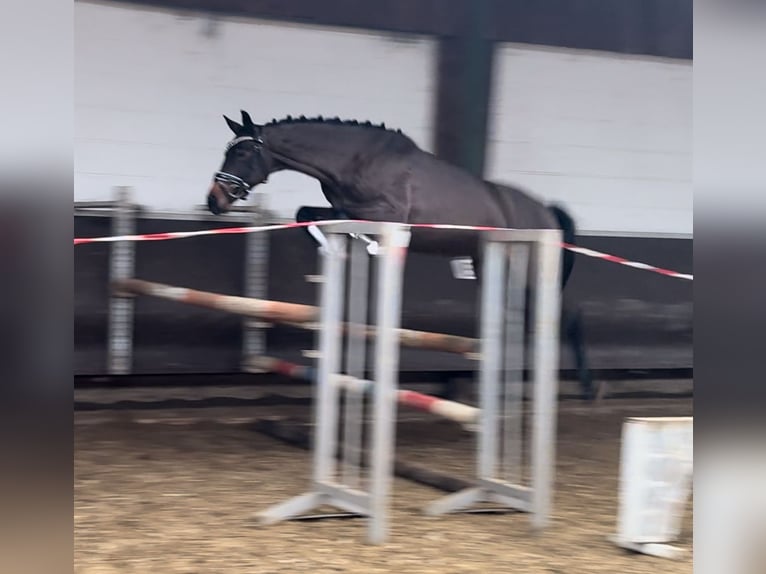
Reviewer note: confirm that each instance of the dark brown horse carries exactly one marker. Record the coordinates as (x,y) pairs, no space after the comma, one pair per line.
(373,173)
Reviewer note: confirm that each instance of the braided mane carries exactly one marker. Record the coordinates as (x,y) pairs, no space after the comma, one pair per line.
(331,121)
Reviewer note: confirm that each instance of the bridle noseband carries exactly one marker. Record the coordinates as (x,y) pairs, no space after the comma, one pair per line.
(236,187)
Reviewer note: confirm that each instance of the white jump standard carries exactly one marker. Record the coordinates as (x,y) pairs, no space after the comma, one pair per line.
(328,488)
(499,477)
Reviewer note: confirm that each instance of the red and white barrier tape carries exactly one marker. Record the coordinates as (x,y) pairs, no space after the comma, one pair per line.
(165,236)
(263,228)
(623,261)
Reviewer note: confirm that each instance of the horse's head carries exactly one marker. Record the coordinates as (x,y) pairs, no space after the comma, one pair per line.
(245,165)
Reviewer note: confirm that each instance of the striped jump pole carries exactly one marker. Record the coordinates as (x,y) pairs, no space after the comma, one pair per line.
(293,314)
(454,411)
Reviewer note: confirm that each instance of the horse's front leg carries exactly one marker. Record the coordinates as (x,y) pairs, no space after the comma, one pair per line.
(307,214)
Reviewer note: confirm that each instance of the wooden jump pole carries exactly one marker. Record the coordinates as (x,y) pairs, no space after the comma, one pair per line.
(293,314)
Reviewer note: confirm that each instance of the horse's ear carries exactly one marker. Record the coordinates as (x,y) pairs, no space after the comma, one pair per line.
(248,127)
(234,126)
(247,122)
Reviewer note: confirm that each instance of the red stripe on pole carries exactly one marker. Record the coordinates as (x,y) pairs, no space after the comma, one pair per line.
(417,400)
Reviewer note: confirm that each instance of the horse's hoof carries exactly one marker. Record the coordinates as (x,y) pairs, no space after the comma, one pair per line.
(600,392)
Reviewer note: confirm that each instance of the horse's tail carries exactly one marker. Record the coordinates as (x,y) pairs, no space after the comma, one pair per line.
(567,225)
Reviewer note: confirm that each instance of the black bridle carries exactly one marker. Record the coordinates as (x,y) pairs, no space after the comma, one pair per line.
(236,187)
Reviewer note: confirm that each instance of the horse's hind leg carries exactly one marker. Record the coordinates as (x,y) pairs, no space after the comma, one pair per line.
(575,334)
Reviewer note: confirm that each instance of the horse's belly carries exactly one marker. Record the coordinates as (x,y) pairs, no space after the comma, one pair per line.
(451,243)
(450,203)
(450,196)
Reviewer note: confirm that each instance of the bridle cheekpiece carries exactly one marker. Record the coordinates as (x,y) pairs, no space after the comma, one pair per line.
(236,187)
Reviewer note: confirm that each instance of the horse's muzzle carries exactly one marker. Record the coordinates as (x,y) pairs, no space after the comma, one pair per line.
(216,200)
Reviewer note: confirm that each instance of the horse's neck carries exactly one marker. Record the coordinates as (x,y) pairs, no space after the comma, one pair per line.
(315,150)
(285,161)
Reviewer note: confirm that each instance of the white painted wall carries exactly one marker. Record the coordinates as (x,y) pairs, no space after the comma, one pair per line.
(151,87)
(609,136)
